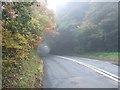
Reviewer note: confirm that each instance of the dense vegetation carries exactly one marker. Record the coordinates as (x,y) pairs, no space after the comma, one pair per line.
(81,28)
(23,27)
(108,56)
(86,27)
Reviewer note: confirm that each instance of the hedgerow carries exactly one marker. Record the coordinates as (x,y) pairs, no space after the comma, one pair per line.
(21,29)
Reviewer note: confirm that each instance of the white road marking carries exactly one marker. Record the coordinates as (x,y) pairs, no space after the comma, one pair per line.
(101,71)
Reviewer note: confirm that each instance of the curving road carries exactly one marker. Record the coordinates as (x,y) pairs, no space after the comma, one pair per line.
(76,72)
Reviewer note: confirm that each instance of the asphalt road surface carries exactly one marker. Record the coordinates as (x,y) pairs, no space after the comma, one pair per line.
(76,72)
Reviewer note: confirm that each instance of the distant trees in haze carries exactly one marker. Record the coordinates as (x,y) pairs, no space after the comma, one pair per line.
(87,27)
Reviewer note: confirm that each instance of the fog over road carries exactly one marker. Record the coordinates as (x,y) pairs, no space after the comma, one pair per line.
(76,72)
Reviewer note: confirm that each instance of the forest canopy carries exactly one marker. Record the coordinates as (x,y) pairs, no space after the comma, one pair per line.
(86,27)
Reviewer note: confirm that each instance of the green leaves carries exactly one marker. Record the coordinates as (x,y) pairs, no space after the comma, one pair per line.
(22,25)
(87,27)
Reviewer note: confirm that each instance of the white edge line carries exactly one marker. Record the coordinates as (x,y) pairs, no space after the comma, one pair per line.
(103,72)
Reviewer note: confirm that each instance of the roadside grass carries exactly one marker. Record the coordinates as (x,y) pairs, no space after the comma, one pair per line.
(27,74)
(32,73)
(110,56)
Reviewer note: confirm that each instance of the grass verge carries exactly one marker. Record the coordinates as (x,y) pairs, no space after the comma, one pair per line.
(32,72)
(27,75)
(109,56)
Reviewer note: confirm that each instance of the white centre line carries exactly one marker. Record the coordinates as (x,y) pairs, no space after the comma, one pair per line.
(98,70)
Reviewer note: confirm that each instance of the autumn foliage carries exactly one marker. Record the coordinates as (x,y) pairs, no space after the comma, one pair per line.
(22,30)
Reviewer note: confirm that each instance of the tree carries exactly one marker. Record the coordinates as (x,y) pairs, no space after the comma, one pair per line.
(21,29)
(93,27)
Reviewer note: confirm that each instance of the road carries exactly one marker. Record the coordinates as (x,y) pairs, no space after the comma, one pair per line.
(76,72)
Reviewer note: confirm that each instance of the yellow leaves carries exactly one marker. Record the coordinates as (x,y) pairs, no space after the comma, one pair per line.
(14,27)
(13,40)
(9,7)
(17,42)
(18,47)
(6,36)
(6,32)
(29,33)
(22,54)
(9,22)
(20,38)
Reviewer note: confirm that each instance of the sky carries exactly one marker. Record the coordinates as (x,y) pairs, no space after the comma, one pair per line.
(52,4)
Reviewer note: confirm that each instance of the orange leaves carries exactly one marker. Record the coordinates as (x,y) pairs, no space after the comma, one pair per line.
(51,25)
(10,10)
(55,33)
(1,25)
(11,14)
(37,42)
(47,29)
(51,30)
